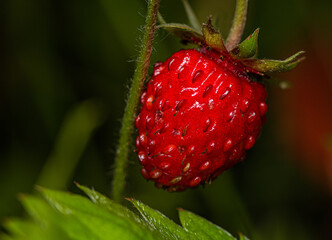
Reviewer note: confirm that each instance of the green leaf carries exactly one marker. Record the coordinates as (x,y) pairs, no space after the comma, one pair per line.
(212,36)
(202,227)
(110,205)
(248,48)
(18,227)
(97,222)
(6,237)
(242,237)
(62,216)
(191,15)
(186,33)
(157,220)
(269,66)
(34,230)
(37,208)
(44,222)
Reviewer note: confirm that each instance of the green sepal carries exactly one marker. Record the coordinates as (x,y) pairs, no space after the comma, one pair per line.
(269,66)
(185,32)
(247,48)
(212,36)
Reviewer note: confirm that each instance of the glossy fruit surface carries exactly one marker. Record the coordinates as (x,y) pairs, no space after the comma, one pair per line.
(200,113)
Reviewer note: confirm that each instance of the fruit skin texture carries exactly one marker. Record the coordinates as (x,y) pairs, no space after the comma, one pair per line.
(200,113)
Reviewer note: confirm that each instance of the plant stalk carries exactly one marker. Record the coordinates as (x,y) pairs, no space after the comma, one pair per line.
(239,21)
(191,15)
(121,158)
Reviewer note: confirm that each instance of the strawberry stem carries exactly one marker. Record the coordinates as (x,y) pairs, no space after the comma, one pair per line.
(121,158)
(239,21)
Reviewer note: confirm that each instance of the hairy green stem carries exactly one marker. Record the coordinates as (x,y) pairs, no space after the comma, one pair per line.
(121,158)
(239,21)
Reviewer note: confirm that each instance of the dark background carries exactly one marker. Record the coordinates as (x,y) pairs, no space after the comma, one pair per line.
(65,68)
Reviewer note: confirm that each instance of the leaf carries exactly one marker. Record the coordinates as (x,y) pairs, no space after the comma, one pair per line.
(242,237)
(18,227)
(248,48)
(43,224)
(33,230)
(96,220)
(59,215)
(110,205)
(158,221)
(212,36)
(46,215)
(186,33)
(191,15)
(269,66)
(202,227)
(6,237)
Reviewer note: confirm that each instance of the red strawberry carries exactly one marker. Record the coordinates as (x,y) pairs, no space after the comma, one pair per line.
(199,114)
(201,109)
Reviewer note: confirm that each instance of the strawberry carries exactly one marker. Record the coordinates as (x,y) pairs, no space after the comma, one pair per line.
(199,114)
(202,109)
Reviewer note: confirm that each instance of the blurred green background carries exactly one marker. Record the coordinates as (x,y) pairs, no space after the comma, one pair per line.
(65,72)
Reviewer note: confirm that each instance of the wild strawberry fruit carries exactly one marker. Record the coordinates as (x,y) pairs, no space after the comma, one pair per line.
(199,114)
(202,110)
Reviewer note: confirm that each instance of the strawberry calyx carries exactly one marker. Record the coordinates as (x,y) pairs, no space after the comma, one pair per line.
(245,52)
(212,37)
(247,48)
